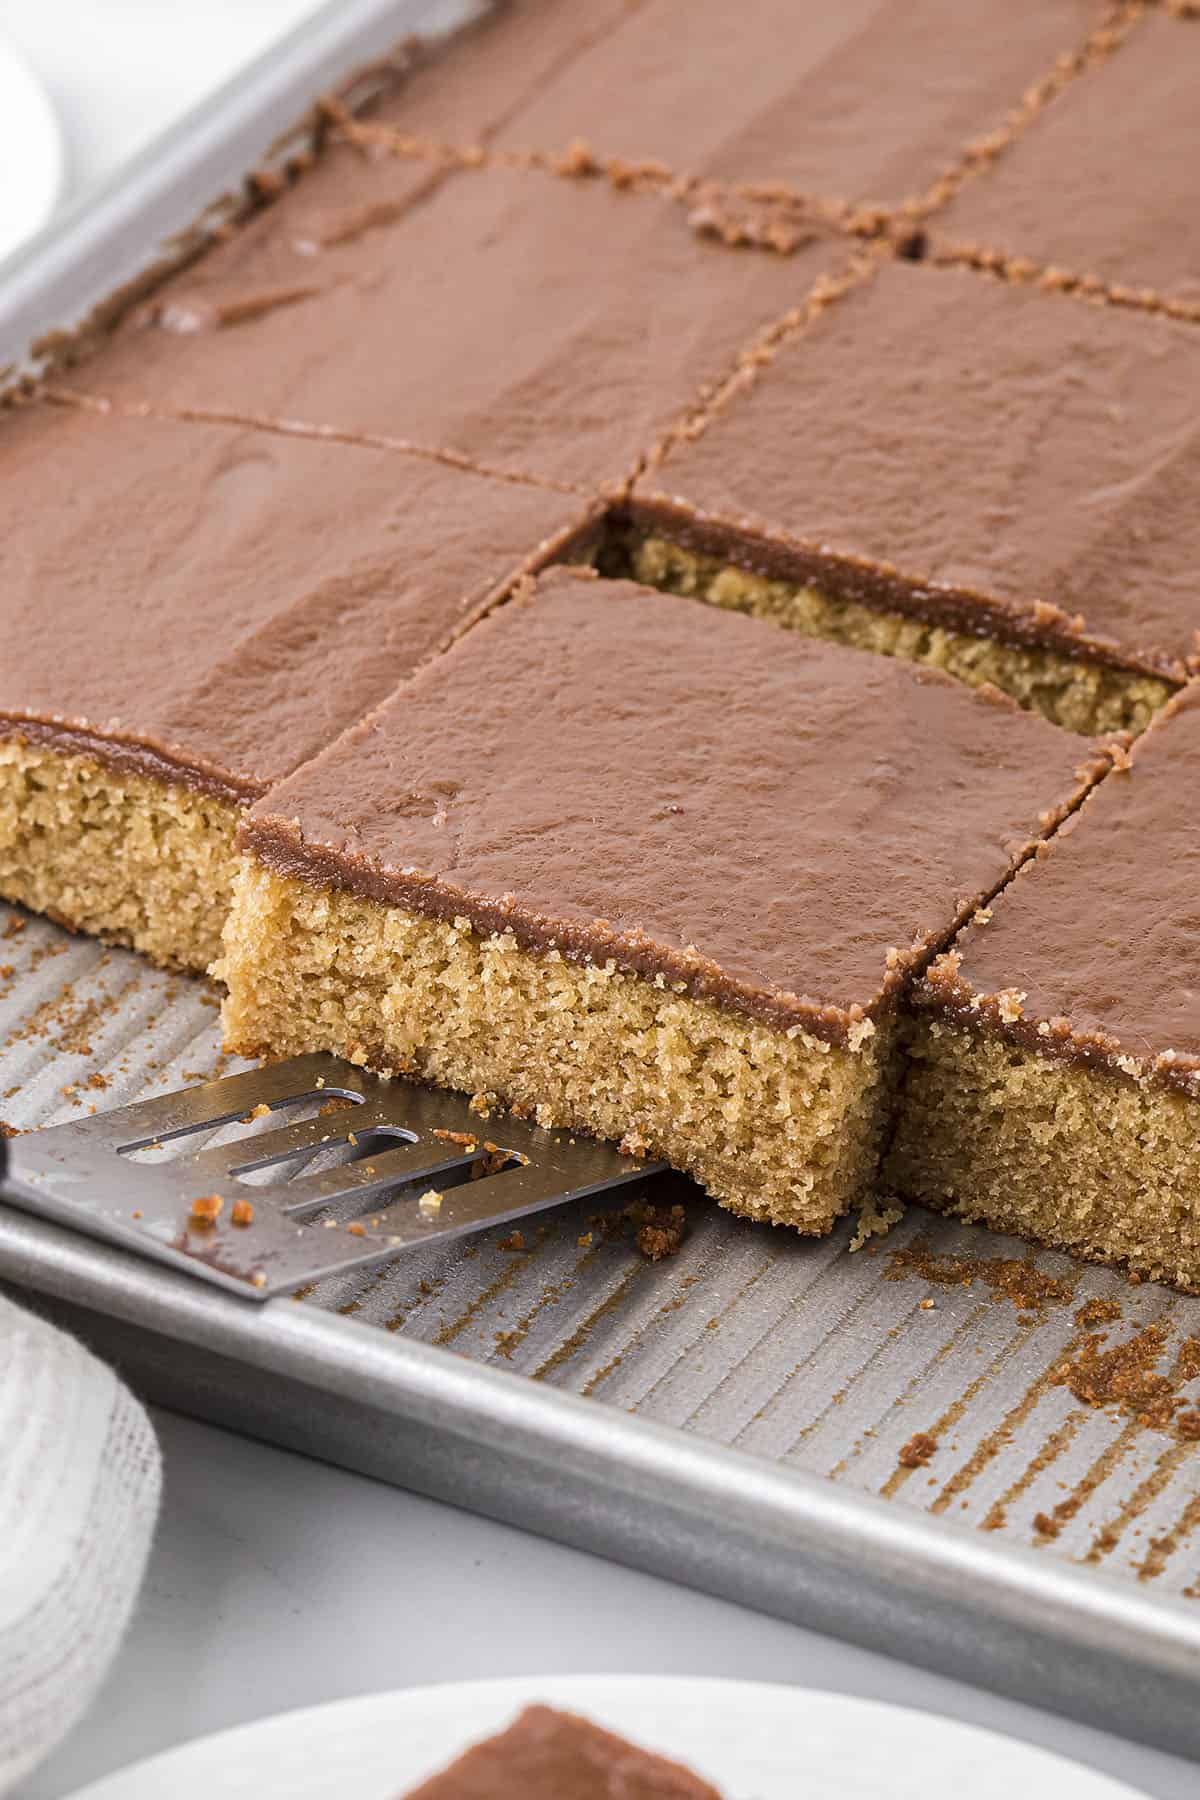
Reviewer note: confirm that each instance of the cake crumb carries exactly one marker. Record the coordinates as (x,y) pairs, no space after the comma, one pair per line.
(1020,1281)
(9,1131)
(875,1220)
(919,1449)
(430,1203)
(206,1209)
(243,1213)
(1097,1312)
(658,1231)
(1126,1376)
(515,1241)
(261,1111)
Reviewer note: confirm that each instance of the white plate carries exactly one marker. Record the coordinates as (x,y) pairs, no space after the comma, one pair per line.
(753,1741)
(31,152)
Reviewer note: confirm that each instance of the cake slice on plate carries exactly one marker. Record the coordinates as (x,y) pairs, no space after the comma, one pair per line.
(550,1755)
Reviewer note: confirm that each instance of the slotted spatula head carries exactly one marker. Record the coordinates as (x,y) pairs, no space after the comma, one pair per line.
(424,1166)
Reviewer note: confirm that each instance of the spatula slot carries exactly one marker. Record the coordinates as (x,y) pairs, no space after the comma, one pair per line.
(233,1127)
(266,1180)
(339,1150)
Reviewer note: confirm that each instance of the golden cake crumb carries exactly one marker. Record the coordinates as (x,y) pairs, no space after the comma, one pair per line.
(1075,1157)
(919,1450)
(776,1124)
(125,858)
(1082,696)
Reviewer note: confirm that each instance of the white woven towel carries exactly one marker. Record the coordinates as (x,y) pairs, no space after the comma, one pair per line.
(79,1488)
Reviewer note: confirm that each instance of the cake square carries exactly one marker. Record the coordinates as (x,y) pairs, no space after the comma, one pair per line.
(809,99)
(1099,188)
(188,612)
(946,467)
(534,325)
(1054,1073)
(546,1754)
(651,872)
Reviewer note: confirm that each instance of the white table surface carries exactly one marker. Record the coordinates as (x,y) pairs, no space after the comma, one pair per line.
(277,1582)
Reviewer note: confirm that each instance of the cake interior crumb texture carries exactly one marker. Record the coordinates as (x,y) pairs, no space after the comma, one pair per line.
(1083,1159)
(780,1125)
(1053,1080)
(1086,697)
(127,858)
(514,880)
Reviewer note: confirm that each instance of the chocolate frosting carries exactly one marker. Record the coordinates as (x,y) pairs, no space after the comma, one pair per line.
(534,323)
(1009,462)
(217,604)
(872,100)
(550,1755)
(781,825)
(1103,183)
(466,91)
(1093,953)
(460,89)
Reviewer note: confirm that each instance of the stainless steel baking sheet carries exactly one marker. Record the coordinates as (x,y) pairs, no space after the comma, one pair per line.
(733,1417)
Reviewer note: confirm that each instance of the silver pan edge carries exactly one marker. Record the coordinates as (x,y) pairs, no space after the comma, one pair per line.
(783,1542)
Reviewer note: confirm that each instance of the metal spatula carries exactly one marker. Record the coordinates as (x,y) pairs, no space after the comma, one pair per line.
(425,1166)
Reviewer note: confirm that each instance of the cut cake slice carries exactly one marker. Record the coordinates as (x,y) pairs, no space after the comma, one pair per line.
(645,870)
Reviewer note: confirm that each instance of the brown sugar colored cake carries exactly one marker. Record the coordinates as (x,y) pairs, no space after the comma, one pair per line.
(187,613)
(647,870)
(1053,1086)
(962,472)
(550,1755)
